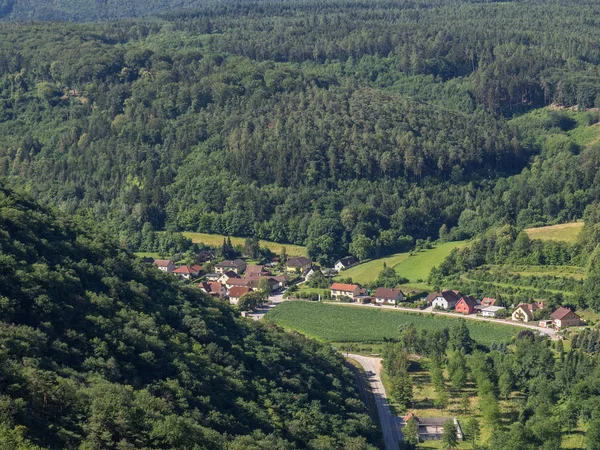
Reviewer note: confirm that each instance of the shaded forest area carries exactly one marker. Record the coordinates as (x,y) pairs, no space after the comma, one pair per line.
(340,126)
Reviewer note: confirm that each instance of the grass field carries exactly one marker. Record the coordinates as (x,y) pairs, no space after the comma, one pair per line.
(147,255)
(577,273)
(337,323)
(415,266)
(566,232)
(216,240)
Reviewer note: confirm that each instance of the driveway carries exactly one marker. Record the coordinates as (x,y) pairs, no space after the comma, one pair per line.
(391,425)
(259,313)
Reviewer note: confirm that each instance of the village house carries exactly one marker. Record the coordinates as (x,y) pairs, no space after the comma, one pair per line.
(237,292)
(226,276)
(388,296)
(444,300)
(238,266)
(164,265)
(524,311)
(564,317)
(255,271)
(213,276)
(491,311)
(345,290)
(205,256)
(187,272)
(466,305)
(298,265)
(345,263)
(213,288)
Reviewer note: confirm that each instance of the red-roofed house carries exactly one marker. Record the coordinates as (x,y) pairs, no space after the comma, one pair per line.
(345,290)
(466,305)
(487,301)
(186,272)
(213,288)
(564,317)
(237,292)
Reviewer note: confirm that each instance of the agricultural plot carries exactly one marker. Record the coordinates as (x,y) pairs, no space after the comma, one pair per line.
(337,323)
(216,240)
(565,232)
(367,272)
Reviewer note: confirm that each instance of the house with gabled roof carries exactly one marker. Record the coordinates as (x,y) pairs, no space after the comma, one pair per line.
(164,265)
(237,292)
(466,305)
(345,263)
(226,276)
(564,317)
(444,300)
(213,288)
(388,296)
(237,265)
(299,264)
(345,290)
(187,272)
(524,312)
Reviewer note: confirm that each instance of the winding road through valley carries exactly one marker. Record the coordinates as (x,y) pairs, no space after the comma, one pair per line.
(391,425)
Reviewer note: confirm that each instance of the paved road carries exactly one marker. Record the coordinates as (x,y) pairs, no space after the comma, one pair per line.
(259,313)
(391,425)
(547,331)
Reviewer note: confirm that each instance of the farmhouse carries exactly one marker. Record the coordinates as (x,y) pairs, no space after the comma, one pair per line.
(345,263)
(564,317)
(238,266)
(444,299)
(164,265)
(389,296)
(237,292)
(345,290)
(466,305)
(187,272)
(524,312)
(491,311)
(298,265)
(213,288)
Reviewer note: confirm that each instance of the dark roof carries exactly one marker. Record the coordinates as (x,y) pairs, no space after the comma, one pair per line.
(231,274)
(237,263)
(254,269)
(561,313)
(147,259)
(450,296)
(470,301)
(298,262)
(348,261)
(388,293)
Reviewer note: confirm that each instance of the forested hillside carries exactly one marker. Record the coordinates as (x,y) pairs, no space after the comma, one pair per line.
(343,126)
(87,10)
(99,351)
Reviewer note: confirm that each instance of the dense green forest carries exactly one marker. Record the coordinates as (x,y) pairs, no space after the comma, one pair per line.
(98,351)
(86,10)
(344,126)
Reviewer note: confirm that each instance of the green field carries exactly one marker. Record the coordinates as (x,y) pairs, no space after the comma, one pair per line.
(566,232)
(415,266)
(341,323)
(215,240)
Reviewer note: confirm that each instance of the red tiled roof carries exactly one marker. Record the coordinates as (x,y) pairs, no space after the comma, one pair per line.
(343,287)
(487,301)
(185,270)
(561,313)
(197,268)
(238,291)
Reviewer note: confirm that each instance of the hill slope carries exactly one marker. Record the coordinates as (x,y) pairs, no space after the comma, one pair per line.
(99,351)
(86,10)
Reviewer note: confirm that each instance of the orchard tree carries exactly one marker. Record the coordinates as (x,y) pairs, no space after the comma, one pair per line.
(411,433)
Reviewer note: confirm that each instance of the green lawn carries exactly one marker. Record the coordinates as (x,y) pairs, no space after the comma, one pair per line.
(216,240)
(414,266)
(367,272)
(147,255)
(340,323)
(577,273)
(418,266)
(566,232)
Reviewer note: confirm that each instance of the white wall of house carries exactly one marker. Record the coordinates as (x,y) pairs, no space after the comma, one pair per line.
(440,302)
